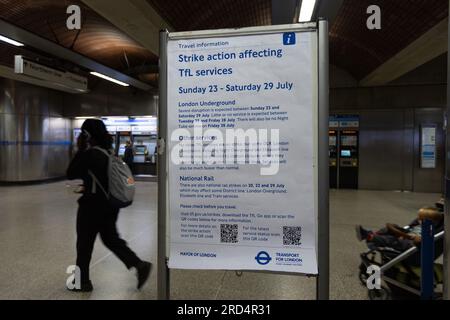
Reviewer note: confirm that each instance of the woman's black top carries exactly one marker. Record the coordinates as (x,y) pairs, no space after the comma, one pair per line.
(94,161)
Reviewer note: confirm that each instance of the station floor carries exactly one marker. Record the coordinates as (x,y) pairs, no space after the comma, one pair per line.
(37,244)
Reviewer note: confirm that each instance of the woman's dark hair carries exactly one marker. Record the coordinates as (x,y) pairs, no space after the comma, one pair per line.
(99,135)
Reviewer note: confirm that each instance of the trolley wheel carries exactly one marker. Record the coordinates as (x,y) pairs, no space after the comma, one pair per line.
(363,278)
(239,273)
(380,294)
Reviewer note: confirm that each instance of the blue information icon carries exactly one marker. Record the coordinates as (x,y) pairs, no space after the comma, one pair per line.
(263,258)
(289,38)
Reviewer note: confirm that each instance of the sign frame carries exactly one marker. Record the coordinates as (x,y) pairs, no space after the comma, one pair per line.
(321,152)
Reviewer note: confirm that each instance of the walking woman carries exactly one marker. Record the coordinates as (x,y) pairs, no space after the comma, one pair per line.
(95,214)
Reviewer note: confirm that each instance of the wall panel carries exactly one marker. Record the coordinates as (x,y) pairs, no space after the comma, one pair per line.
(381,150)
(390,149)
(33,136)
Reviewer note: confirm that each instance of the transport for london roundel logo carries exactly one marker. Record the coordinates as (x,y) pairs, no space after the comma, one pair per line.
(263,258)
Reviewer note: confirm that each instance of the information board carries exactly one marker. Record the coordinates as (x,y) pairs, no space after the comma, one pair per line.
(428,154)
(242,147)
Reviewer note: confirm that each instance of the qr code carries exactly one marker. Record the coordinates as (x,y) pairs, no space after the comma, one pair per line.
(229,233)
(292,236)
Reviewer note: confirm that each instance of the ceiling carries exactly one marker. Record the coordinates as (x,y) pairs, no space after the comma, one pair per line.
(101,41)
(98,39)
(359,50)
(353,47)
(188,15)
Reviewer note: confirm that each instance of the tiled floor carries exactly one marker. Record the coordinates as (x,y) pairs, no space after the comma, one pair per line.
(37,244)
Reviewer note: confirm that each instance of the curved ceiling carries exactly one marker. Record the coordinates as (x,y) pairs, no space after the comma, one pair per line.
(98,39)
(352,46)
(359,50)
(189,15)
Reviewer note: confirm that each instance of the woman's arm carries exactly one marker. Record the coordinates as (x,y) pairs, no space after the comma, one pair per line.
(430,214)
(394,230)
(78,167)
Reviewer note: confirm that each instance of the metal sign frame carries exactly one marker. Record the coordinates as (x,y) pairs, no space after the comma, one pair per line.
(323,228)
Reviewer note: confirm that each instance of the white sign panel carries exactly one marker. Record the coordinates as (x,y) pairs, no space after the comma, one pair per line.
(111,129)
(35,70)
(334,124)
(123,128)
(150,129)
(428,147)
(349,124)
(254,95)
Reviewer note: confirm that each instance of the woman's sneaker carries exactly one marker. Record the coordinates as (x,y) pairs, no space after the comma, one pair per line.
(143,272)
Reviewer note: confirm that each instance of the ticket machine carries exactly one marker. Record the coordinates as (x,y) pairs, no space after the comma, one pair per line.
(140,154)
(144,150)
(123,138)
(349,159)
(333,154)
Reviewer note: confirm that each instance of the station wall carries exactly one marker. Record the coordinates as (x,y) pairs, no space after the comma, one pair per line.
(390,149)
(34,135)
(390,124)
(36,125)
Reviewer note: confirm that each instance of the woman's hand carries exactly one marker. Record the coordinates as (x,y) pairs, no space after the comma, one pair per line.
(417,240)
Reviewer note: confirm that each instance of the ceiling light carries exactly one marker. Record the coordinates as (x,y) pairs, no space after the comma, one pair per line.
(144,117)
(11,41)
(147,119)
(307,10)
(110,79)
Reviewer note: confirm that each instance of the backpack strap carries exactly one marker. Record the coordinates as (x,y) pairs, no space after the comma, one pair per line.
(102,151)
(95,181)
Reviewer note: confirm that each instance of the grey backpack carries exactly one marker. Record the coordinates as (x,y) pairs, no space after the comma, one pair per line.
(122,186)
